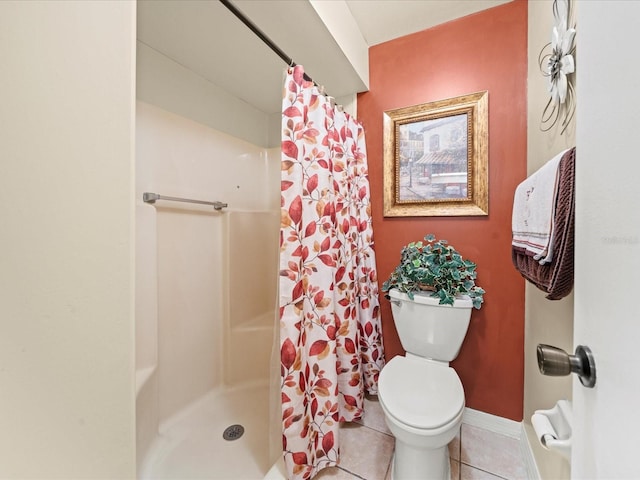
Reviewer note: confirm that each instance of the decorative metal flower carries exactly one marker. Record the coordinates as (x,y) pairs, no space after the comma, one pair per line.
(557,64)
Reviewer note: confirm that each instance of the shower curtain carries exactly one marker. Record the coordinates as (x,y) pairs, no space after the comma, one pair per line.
(330,335)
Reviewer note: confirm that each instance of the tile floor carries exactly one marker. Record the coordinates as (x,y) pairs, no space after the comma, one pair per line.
(476,454)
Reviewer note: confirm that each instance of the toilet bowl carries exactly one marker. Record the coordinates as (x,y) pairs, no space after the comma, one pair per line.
(423,402)
(420,394)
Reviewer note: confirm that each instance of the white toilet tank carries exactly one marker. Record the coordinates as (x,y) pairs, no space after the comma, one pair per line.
(430,330)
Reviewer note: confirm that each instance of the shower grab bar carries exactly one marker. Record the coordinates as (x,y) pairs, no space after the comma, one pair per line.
(149,197)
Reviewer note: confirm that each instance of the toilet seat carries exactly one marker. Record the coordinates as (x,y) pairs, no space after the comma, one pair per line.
(420,393)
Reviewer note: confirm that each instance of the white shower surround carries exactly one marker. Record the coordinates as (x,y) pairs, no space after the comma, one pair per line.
(205,299)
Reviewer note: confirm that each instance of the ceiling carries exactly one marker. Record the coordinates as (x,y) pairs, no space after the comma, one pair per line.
(383,20)
(205,37)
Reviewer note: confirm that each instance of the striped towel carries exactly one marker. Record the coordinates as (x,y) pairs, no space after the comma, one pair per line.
(555,278)
(534,210)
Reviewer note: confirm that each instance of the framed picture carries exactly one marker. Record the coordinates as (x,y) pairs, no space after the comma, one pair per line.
(436,158)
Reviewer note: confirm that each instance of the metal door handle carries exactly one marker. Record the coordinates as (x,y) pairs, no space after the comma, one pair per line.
(555,362)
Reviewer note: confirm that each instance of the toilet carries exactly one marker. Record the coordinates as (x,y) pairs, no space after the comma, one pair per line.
(421,395)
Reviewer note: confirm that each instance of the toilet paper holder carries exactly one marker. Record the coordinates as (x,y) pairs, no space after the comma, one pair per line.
(554,361)
(554,427)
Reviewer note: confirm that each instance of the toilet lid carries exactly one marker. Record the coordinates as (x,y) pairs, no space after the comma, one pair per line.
(419,393)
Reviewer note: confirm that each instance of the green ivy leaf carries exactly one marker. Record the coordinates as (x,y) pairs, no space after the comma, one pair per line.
(439,265)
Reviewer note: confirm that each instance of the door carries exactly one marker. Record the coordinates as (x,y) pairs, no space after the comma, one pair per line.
(607,288)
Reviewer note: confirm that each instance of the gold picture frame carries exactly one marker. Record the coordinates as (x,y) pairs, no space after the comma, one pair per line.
(436,158)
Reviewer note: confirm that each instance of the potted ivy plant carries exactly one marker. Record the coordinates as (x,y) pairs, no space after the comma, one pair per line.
(434,265)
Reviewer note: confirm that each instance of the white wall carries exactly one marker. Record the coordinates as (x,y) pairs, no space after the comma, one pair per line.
(66,203)
(165,83)
(546,321)
(168,85)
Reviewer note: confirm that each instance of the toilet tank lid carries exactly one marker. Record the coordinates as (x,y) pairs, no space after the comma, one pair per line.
(420,393)
(427,298)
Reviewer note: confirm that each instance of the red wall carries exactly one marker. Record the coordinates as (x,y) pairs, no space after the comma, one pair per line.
(485,51)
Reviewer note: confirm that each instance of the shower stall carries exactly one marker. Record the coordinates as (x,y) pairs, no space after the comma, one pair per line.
(208,127)
(206,296)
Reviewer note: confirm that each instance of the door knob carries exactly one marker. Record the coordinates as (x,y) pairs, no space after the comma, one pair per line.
(555,362)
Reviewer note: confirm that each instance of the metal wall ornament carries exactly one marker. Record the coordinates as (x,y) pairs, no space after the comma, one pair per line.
(557,63)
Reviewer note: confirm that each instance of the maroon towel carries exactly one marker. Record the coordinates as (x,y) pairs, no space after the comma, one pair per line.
(556,278)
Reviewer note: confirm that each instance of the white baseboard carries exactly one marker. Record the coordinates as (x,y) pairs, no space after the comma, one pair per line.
(493,423)
(527,454)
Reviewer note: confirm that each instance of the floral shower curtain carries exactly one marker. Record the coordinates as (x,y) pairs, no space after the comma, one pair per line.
(330,335)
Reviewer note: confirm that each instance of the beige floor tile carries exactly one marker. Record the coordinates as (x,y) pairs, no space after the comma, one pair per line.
(334,473)
(365,452)
(373,415)
(454,447)
(388,475)
(455,469)
(491,452)
(470,473)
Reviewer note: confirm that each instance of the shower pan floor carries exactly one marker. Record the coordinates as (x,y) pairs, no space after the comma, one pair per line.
(191,444)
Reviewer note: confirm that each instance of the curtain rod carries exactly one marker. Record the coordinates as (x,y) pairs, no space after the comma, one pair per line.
(263,36)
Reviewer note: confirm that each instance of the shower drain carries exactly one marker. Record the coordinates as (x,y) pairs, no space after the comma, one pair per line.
(233,432)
